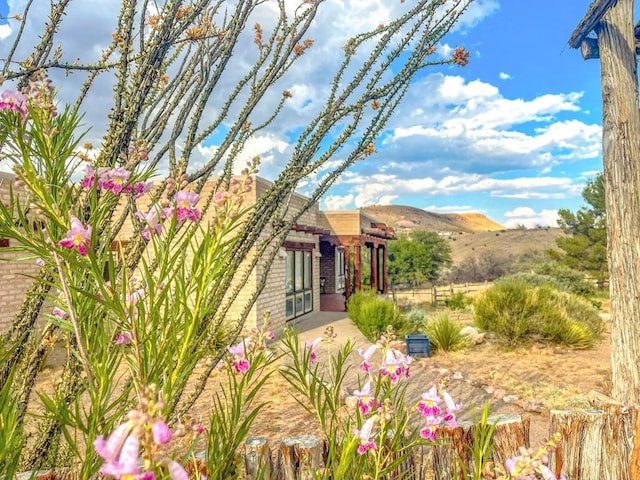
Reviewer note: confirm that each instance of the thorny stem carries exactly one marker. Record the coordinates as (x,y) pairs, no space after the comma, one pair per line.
(74,321)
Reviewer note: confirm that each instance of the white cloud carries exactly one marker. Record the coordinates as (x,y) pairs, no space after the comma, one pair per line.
(469,126)
(450,209)
(337,202)
(5,31)
(530,218)
(504,76)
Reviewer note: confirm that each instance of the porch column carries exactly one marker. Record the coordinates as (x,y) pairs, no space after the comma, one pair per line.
(357,268)
(347,273)
(374,267)
(384,269)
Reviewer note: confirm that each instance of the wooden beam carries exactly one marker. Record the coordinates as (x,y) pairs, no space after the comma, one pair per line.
(595,13)
(589,48)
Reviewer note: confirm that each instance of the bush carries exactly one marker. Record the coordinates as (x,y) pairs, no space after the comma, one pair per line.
(457,301)
(516,312)
(415,319)
(444,334)
(372,314)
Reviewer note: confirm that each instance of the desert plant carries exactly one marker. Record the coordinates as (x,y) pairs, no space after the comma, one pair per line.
(372,314)
(415,319)
(444,334)
(518,312)
(456,301)
(505,309)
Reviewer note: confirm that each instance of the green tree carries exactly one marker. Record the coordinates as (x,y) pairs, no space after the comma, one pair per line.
(418,258)
(585,249)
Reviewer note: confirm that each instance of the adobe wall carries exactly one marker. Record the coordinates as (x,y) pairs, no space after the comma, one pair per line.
(14,273)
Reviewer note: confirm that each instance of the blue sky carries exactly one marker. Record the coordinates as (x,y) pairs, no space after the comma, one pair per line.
(525,120)
(513,135)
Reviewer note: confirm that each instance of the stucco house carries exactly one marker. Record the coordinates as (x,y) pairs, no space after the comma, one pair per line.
(325,258)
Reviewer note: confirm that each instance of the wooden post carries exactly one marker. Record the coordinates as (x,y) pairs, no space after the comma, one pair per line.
(374,267)
(357,267)
(596,443)
(257,458)
(384,269)
(347,273)
(300,457)
(511,433)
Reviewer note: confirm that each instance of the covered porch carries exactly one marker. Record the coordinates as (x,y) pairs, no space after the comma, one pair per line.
(353,256)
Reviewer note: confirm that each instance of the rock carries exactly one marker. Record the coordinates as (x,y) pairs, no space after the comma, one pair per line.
(489,389)
(457,376)
(509,399)
(532,406)
(499,394)
(474,336)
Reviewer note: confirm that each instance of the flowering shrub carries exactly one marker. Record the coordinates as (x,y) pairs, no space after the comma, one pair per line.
(130,323)
(371,433)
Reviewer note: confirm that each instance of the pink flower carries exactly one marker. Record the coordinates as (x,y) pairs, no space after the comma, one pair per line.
(366,356)
(365,400)
(116,178)
(78,237)
(123,338)
(153,220)
(429,405)
(430,429)
(58,312)
(13,100)
(161,432)
(366,443)
(120,452)
(240,362)
(392,367)
(312,346)
(186,206)
(127,461)
(140,188)
(40,262)
(176,471)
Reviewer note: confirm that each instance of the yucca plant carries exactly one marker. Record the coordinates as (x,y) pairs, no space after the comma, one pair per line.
(444,334)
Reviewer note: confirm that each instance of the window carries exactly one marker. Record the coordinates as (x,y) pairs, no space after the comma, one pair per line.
(298,280)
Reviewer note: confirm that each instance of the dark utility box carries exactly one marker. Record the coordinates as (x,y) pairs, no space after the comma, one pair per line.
(417,345)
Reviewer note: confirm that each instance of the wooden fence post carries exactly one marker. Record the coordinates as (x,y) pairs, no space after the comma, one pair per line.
(300,457)
(257,458)
(511,433)
(596,444)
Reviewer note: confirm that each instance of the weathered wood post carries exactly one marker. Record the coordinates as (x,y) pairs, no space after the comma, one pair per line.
(300,457)
(613,22)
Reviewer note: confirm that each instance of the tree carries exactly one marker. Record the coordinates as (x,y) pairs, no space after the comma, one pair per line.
(585,249)
(417,258)
(185,72)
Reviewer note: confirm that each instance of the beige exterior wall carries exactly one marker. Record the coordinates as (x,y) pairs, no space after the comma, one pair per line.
(14,279)
(14,273)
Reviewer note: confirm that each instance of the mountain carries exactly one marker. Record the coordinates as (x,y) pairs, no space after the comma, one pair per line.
(405,219)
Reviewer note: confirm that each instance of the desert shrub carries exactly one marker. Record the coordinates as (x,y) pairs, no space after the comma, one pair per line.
(534,279)
(372,314)
(505,309)
(517,311)
(457,301)
(568,279)
(415,319)
(444,334)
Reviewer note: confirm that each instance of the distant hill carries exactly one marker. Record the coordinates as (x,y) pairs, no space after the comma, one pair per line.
(470,234)
(405,219)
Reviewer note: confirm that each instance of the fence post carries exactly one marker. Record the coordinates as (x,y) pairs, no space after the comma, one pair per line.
(300,457)
(257,458)
(590,437)
(511,433)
